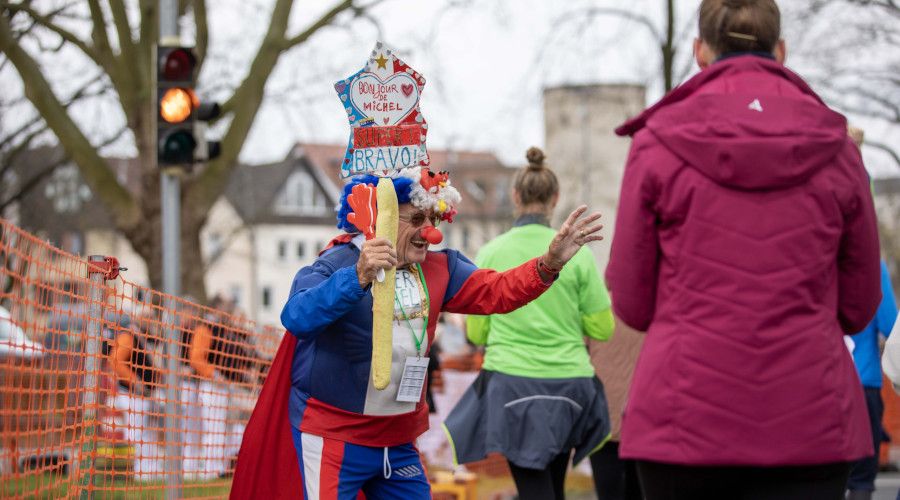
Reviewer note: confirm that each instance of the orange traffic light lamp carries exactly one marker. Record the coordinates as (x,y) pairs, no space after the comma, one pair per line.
(181,117)
(177,104)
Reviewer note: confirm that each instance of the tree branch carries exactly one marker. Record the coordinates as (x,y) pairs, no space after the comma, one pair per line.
(148,38)
(282,45)
(10,138)
(632,16)
(9,156)
(94,168)
(884,147)
(891,6)
(323,21)
(888,111)
(98,32)
(128,55)
(13,136)
(243,104)
(47,22)
(202,24)
(31,183)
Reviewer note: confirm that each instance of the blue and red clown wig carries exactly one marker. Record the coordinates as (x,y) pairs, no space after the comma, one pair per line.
(425,190)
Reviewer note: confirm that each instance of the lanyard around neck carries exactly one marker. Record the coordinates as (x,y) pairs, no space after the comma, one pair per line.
(427,303)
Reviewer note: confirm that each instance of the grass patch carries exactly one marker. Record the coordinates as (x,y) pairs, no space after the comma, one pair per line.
(107,486)
(117,486)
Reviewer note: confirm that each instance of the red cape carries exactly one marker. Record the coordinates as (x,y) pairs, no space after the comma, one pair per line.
(267,465)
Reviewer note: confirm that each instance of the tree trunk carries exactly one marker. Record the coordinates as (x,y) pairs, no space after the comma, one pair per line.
(192,276)
(146,237)
(147,240)
(668,49)
(129,66)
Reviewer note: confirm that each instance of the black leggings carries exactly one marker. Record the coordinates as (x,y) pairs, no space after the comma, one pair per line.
(542,484)
(614,478)
(661,481)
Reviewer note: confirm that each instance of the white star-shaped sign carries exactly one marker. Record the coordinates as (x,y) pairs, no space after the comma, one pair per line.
(387,129)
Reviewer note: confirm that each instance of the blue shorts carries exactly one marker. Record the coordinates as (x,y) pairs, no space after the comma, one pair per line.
(333,469)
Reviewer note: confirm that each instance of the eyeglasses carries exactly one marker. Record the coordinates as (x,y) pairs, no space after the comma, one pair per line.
(418,218)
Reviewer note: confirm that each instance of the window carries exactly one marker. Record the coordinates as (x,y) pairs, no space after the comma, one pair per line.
(476,189)
(66,190)
(501,192)
(235,292)
(267,297)
(214,247)
(301,250)
(301,196)
(282,249)
(72,242)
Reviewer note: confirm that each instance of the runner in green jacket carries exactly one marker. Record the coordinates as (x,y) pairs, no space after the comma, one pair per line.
(537,397)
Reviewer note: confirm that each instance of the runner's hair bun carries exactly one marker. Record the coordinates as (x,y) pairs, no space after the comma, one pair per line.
(535,158)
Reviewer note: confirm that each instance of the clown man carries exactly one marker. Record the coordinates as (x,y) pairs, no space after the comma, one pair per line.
(347,436)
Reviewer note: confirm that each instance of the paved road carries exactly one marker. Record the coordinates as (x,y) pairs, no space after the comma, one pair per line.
(886,486)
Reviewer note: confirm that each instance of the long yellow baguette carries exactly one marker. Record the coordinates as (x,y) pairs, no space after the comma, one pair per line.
(383,292)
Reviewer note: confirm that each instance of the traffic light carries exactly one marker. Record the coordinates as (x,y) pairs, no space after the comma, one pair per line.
(181,117)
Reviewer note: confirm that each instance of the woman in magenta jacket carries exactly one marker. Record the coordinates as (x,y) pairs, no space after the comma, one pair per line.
(745,245)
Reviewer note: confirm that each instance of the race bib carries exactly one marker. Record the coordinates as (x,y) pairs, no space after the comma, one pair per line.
(413,379)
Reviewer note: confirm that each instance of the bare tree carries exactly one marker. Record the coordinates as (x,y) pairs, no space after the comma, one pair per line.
(854,63)
(120,44)
(665,35)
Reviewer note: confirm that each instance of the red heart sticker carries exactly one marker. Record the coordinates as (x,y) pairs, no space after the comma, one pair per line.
(407,89)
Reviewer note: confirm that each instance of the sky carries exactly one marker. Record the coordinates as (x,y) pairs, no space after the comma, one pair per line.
(486,63)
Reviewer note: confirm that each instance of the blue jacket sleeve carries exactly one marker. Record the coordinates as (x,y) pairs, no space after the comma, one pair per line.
(887,310)
(319,296)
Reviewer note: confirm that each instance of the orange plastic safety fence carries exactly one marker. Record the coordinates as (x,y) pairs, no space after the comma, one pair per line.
(113,390)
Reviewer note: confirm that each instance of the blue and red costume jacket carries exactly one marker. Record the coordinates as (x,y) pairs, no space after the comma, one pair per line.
(319,378)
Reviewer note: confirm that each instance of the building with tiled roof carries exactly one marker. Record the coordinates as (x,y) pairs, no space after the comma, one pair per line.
(272,220)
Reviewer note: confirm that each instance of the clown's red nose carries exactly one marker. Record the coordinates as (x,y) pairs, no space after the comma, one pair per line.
(432,235)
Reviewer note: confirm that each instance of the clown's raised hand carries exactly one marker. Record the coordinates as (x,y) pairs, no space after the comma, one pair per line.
(574,233)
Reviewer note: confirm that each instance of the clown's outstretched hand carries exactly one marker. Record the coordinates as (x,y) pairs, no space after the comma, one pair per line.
(574,233)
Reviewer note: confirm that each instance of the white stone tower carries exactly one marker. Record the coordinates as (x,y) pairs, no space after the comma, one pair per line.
(587,156)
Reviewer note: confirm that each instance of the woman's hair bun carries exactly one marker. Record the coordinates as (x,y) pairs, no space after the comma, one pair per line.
(535,158)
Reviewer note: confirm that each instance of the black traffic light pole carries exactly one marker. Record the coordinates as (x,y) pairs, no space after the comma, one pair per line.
(170,193)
